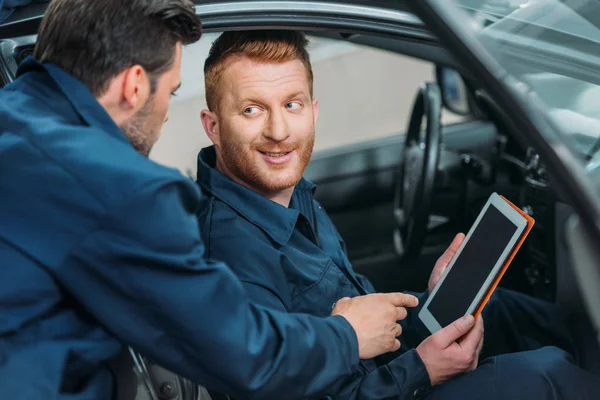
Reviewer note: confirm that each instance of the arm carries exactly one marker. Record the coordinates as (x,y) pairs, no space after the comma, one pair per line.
(398,379)
(142,274)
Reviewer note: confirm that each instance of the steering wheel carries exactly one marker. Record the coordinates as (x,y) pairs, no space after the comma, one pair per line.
(416,176)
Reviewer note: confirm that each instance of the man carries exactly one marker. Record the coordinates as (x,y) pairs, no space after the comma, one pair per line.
(100,246)
(261,118)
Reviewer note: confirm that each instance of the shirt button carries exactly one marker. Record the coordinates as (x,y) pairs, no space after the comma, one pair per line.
(333,305)
(418,393)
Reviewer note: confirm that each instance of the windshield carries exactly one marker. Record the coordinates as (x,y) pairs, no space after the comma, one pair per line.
(552,46)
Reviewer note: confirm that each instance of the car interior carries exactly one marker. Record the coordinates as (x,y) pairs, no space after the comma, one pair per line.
(398,201)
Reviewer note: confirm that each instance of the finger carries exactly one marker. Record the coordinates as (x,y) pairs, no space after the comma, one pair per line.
(454,331)
(479,347)
(401,313)
(397,330)
(445,259)
(401,299)
(471,340)
(442,262)
(477,353)
(452,249)
(396,345)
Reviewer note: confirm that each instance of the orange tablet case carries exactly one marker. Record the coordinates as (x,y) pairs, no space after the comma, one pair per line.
(530,222)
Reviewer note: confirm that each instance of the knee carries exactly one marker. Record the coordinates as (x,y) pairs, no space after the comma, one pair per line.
(503,296)
(546,362)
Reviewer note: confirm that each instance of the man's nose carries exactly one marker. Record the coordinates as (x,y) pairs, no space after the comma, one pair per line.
(276,127)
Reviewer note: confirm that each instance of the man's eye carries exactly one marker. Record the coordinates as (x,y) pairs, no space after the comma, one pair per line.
(293,105)
(250,110)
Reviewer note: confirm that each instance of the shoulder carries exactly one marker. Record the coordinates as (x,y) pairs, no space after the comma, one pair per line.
(231,238)
(89,174)
(82,158)
(67,179)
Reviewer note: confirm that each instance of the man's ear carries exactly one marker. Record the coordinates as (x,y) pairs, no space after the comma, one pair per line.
(315,104)
(136,88)
(211,125)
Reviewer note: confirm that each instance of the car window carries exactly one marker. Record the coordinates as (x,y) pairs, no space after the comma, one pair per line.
(550,47)
(364,94)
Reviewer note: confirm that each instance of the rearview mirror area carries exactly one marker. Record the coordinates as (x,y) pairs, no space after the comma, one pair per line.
(455,95)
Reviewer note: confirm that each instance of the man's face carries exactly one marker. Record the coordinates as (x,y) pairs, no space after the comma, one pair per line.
(143,129)
(266,124)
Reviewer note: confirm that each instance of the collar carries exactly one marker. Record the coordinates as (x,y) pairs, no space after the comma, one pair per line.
(276,220)
(80,97)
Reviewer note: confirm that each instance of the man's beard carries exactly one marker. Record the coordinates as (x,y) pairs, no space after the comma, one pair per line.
(137,129)
(241,162)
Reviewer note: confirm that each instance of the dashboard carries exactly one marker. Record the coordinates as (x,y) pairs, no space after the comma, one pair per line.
(547,264)
(543,265)
(538,200)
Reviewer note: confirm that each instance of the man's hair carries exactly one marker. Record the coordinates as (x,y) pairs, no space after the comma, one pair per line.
(269,46)
(95,40)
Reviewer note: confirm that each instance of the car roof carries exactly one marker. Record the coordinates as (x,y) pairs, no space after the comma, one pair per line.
(25,19)
(392,4)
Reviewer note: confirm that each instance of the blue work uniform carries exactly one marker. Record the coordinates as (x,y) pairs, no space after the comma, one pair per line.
(297,263)
(293,259)
(100,247)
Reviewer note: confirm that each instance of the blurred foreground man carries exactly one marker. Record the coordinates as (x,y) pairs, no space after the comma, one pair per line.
(100,246)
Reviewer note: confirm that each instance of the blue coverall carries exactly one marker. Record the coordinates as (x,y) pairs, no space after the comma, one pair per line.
(293,259)
(100,246)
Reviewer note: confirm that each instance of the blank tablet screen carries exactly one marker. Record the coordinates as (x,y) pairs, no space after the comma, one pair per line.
(472,267)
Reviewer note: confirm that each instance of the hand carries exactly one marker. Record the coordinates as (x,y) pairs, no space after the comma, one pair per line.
(374,318)
(444,260)
(444,357)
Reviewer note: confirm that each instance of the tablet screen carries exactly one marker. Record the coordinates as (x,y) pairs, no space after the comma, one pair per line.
(472,267)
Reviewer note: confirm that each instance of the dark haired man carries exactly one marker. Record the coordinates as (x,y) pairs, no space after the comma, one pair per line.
(100,246)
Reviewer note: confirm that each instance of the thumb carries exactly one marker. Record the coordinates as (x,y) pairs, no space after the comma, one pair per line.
(455,330)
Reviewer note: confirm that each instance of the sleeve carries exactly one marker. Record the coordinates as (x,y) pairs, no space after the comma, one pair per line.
(405,377)
(143,275)
(266,298)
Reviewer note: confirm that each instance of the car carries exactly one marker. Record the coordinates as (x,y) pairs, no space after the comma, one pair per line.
(520,77)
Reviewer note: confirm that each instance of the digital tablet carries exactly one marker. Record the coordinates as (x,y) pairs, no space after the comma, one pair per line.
(478,265)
